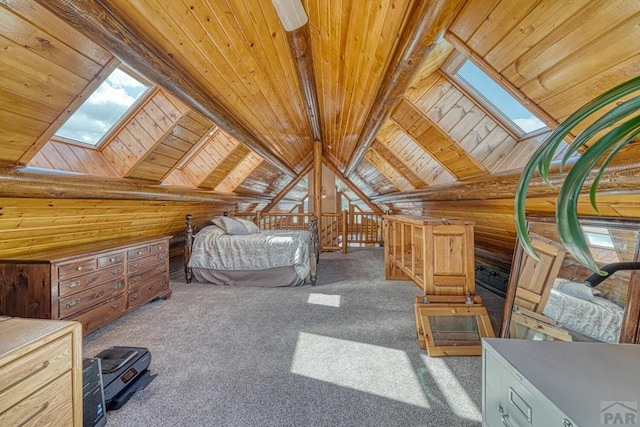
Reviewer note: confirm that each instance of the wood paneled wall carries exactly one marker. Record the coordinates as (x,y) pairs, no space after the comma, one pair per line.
(29,225)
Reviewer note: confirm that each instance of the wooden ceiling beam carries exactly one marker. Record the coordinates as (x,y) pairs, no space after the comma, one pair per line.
(618,179)
(40,183)
(354,188)
(101,25)
(302,54)
(388,170)
(290,186)
(427,21)
(239,173)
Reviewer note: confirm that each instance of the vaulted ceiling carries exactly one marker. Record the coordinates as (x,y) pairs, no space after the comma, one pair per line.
(228,113)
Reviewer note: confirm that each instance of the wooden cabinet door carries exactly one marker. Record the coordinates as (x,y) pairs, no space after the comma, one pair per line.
(453,267)
(536,277)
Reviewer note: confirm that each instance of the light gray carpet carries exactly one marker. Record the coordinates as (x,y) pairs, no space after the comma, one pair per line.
(343,353)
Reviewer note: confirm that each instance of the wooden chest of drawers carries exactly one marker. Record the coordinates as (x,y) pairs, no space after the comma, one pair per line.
(40,373)
(93,285)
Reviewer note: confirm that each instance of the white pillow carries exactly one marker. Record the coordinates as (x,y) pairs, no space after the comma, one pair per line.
(250,226)
(230,225)
(576,289)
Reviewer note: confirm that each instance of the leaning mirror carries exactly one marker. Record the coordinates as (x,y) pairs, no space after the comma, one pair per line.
(548,298)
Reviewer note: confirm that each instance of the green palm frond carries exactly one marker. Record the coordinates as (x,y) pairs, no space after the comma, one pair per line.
(618,133)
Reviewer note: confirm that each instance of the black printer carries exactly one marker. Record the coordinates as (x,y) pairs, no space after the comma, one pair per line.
(125,370)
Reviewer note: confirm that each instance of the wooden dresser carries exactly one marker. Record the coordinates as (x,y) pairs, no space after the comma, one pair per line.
(92,284)
(40,373)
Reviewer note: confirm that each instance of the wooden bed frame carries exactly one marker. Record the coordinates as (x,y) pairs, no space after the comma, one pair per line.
(314,247)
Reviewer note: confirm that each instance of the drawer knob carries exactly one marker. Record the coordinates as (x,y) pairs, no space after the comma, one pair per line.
(567,423)
(159,246)
(79,268)
(73,284)
(72,303)
(136,296)
(114,306)
(161,256)
(112,260)
(139,252)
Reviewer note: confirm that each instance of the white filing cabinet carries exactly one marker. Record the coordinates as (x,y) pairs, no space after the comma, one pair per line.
(554,383)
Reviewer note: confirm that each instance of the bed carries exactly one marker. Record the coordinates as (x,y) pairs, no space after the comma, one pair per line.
(233,251)
(581,309)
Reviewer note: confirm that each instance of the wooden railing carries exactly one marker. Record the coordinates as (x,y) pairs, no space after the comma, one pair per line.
(284,221)
(365,228)
(330,232)
(362,228)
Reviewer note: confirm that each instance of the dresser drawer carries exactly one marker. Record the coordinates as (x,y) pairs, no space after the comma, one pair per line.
(80,301)
(81,283)
(76,268)
(142,278)
(22,377)
(144,263)
(101,314)
(158,247)
(147,292)
(51,405)
(139,252)
(110,259)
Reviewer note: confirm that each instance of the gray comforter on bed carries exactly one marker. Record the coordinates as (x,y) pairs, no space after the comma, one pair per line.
(214,249)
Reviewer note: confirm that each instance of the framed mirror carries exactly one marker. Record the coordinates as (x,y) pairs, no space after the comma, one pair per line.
(547,299)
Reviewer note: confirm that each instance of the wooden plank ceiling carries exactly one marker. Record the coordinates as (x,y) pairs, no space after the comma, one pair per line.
(553,55)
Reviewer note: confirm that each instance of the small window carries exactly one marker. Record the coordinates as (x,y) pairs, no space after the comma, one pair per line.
(106,106)
(599,237)
(493,96)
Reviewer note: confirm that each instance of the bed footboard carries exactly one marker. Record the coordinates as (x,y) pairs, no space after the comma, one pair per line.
(188,243)
(314,249)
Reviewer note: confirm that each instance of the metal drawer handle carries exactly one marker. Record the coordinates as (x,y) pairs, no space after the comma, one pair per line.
(73,284)
(505,417)
(115,271)
(161,256)
(136,296)
(134,279)
(114,306)
(116,286)
(135,265)
(72,303)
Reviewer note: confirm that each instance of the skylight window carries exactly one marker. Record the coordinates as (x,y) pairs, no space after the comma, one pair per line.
(502,102)
(104,108)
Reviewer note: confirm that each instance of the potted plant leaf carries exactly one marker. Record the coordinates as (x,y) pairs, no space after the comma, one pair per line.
(600,142)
